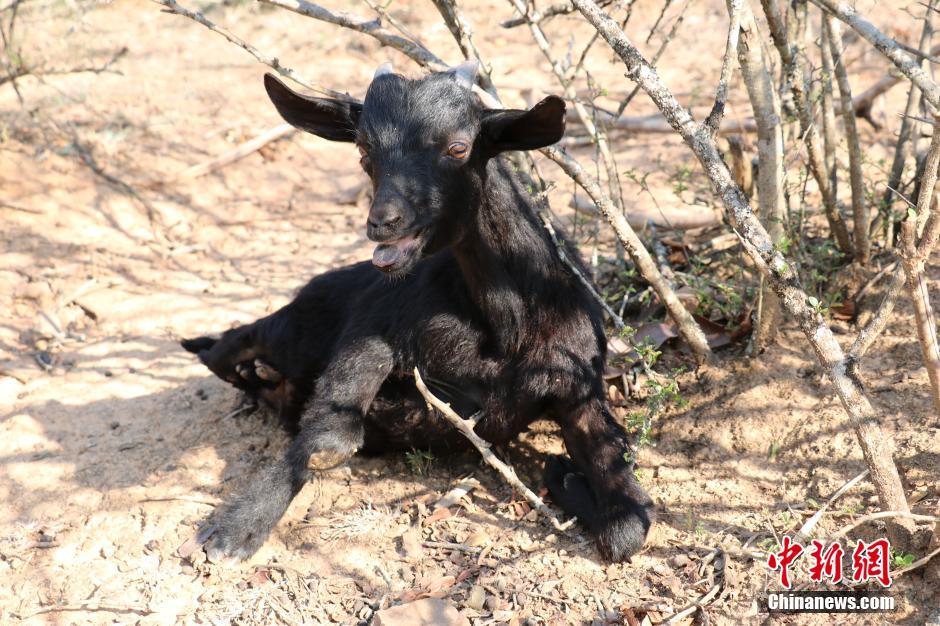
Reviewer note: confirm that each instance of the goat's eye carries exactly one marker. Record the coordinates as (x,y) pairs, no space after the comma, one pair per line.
(458,150)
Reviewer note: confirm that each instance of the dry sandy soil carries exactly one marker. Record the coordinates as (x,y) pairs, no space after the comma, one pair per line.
(115,444)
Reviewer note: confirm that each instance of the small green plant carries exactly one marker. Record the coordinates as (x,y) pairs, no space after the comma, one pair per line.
(419,461)
(814,303)
(664,391)
(851,509)
(768,544)
(899,560)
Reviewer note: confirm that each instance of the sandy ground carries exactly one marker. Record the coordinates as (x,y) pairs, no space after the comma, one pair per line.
(115,444)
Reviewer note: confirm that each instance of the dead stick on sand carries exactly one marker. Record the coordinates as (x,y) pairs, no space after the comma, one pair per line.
(465,426)
(238,152)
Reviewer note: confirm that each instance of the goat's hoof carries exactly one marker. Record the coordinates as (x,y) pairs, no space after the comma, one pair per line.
(266,372)
(326,459)
(234,542)
(236,533)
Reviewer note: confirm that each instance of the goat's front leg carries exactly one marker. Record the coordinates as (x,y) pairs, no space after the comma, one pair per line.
(598,484)
(331,430)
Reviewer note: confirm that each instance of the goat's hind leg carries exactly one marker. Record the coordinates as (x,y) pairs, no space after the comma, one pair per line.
(598,484)
(235,358)
(331,430)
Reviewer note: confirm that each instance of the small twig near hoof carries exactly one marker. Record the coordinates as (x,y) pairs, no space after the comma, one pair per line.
(506,471)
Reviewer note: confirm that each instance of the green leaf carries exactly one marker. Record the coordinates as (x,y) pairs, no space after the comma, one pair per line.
(813,302)
(911,213)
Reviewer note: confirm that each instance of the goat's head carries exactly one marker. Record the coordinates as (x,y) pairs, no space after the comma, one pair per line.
(425,144)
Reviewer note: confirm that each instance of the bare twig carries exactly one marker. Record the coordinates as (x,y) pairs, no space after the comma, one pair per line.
(860,211)
(90,607)
(713,121)
(238,152)
(781,274)
(792,55)
(908,66)
(719,556)
(916,564)
(645,264)
(560,247)
(810,524)
(907,140)
(373,28)
(881,515)
(173,7)
(450,545)
(415,51)
(465,426)
(656,123)
(830,131)
(770,151)
(878,322)
(22,69)
(600,139)
(913,259)
(463,34)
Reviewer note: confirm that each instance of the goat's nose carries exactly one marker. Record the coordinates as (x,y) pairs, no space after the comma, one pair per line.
(385,221)
(383,224)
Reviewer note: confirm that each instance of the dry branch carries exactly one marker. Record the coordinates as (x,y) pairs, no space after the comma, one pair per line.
(463,34)
(173,7)
(21,69)
(770,151)
(563,254)
(645,264)
(792,55)
(713,121)
(238,152)
(418,53)
(830,131)
(881,515)
(913,264)
(810,524)
(781,274)
(860,211)
(878,322)
(640,216)
(465,426)
(908,66)
(600,139)
(907,138)
(656,123)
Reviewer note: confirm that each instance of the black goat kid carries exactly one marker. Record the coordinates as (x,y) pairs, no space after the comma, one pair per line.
(464,284)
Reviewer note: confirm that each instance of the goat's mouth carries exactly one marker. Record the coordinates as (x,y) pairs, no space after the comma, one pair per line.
(398,255)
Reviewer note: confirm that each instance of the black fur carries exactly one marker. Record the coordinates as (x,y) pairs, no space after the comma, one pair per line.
(471,291)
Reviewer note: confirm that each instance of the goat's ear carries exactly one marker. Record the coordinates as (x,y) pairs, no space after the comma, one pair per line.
(335,120)
(540,126)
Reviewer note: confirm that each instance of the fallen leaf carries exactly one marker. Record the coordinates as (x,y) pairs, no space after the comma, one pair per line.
(437,516)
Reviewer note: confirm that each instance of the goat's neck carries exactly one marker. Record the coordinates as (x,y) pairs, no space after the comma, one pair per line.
(510,264)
